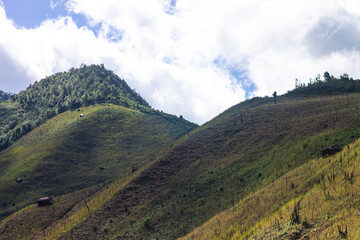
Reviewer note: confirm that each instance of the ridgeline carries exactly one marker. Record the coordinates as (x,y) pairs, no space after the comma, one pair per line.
(241,175)
(85,86)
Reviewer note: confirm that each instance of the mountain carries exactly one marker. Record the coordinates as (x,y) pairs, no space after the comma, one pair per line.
(252,146)
(80,147)
(53,95)
(242,150)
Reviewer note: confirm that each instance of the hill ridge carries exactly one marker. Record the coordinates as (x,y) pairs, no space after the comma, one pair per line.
(227,160)
(60,92)
(220,162)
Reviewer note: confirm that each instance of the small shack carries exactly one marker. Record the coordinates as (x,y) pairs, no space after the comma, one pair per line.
(330,150)
(44,201)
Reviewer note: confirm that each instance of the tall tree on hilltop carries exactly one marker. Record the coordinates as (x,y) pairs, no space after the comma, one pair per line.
(275,95)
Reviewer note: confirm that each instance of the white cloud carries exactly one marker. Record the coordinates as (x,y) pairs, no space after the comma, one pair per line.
(56,3)
(170,54)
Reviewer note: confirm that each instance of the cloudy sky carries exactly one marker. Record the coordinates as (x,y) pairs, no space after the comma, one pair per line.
(193,58)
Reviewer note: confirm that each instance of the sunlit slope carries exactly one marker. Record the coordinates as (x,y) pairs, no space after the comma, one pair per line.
(84,86)
(242,150)
(327,191)
(70,152)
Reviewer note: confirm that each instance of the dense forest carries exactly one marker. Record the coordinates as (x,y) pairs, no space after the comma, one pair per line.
(70,90)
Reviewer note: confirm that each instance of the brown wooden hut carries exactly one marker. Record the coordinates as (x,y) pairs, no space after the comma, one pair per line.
(44,201)
(332,149)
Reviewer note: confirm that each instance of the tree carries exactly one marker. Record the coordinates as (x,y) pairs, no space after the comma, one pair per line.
(275,95)
(296,83)
(327,76)
(345,76)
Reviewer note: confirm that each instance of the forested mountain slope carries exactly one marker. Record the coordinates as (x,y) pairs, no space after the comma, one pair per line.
(60,92)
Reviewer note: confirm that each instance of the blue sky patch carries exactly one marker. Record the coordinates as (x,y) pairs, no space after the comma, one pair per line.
(31,13)
(80,20)
(113,34)
(171,7)
(238,74)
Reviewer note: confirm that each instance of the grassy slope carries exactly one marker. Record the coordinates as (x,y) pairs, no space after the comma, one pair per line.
(328,189)
(67,211)
(244,149)
(68,153)
(85,86)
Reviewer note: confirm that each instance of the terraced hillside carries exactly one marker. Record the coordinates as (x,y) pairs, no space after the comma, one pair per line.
(214,167)
(70,152)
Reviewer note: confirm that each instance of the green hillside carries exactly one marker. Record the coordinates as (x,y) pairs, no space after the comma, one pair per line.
(60,92)
(70,152)
(326,191)
(242,150)
(73,130)
(224,164)
(68,211)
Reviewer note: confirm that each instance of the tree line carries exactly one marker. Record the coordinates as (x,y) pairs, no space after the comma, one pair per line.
(330,85)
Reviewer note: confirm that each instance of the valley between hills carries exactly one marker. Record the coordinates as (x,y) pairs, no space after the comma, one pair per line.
(119,169)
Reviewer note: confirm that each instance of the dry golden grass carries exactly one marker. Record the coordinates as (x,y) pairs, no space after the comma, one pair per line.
(329,199)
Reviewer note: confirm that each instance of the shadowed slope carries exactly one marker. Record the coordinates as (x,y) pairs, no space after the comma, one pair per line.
(70,152)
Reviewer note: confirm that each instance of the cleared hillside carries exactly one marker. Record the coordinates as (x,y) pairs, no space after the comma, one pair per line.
(326,189)
(81,148)
(242,150)
(66,212)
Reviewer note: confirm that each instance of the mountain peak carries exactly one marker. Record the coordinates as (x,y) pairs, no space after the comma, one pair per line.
(83,86)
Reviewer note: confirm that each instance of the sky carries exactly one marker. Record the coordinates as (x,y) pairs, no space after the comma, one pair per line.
(194,58)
